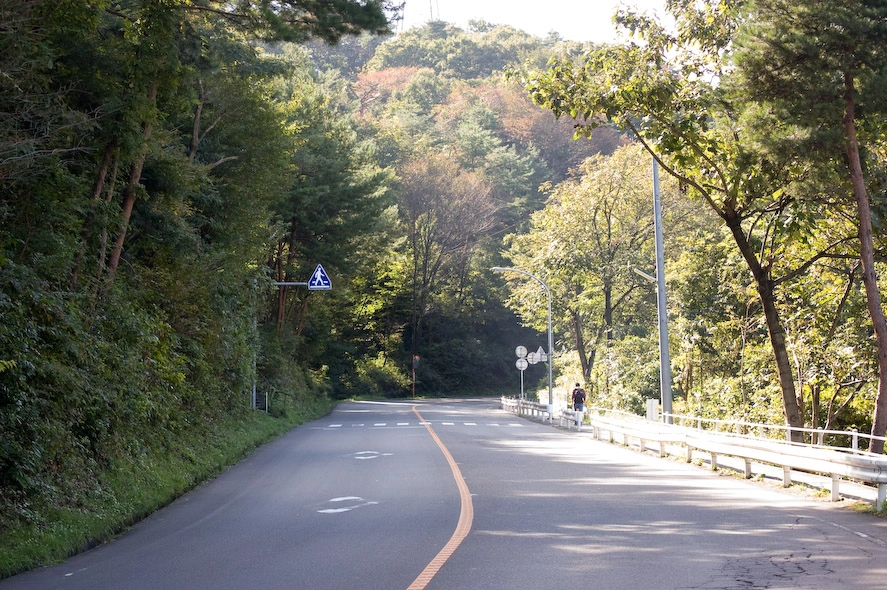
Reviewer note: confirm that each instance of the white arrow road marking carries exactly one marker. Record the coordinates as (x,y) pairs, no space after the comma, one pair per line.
(347,508)
(370,455)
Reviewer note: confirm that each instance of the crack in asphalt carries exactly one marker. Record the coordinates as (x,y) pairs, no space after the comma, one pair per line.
(784,569)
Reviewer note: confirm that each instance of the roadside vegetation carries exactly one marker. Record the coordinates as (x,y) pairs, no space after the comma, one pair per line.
(130,488)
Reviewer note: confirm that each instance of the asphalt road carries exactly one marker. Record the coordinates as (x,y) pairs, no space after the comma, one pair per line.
(461,495)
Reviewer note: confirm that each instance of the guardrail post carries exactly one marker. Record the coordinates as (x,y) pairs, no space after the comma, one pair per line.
(855,439)
(689,453)
(747,468)
(714,461)
(786,476)
(882,496)
(835,495)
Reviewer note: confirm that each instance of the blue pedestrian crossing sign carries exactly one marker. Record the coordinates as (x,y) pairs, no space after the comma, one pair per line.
(319,280)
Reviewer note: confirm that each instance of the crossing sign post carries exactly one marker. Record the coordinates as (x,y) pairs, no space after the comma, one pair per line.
(319,280)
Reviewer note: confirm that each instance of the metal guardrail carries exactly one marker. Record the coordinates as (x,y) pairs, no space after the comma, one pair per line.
(572,418)
(525,408)
(838,463)
(815,436)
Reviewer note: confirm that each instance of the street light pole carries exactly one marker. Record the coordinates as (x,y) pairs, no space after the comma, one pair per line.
(550,336)
(661,308)
(662,311)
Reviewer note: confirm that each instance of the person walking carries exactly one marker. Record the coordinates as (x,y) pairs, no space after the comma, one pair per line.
(578,402)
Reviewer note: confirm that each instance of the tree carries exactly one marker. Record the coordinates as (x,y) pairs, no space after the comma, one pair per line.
(446,211)
(507,111)
(666,93)
(152,119)
(297,20)
(595,227)
(454,53)
(152,56)
(37,127)
(338,192)
(823,68)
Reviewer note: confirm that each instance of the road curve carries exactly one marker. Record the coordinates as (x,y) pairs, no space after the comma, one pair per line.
(457,494)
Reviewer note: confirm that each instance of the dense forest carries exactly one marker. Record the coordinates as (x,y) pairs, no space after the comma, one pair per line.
(164,165)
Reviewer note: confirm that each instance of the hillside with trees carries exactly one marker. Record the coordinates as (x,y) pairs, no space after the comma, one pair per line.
(164,166)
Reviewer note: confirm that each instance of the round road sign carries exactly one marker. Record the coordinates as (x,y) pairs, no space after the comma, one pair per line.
(521,364)
(521,352)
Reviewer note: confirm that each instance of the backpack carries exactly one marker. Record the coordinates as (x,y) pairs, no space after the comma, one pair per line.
(579,396)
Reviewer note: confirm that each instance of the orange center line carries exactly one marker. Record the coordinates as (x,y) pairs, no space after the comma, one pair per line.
(466,515)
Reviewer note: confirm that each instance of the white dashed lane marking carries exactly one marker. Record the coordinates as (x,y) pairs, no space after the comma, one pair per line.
(416,424)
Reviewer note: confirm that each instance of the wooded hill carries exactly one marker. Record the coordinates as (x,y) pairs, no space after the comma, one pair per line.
(163,164)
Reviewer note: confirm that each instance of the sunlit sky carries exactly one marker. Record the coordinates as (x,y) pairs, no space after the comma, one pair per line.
(575,20)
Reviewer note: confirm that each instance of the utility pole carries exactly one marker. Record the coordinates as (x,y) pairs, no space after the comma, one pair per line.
(664,358)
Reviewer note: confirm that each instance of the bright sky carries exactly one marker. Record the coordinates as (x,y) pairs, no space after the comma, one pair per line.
(575,20)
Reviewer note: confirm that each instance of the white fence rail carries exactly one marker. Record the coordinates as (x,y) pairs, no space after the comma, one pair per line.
(744,441)
(525,408)
(843,439)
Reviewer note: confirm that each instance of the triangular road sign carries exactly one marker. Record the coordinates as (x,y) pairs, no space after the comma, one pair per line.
(319,280)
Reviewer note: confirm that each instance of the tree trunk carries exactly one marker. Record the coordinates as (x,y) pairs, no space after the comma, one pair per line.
(608,313)
(774,328)
(867,259)
(195,127)
(129,193)
(576,321)
(101,177)
(815,400)
(282,289)
(281,307)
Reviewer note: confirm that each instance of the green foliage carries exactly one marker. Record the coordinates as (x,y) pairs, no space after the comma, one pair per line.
(452,52)
(99,371)
(379,377)
(595,227)
(683,114)
(292,20)
(819,69)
